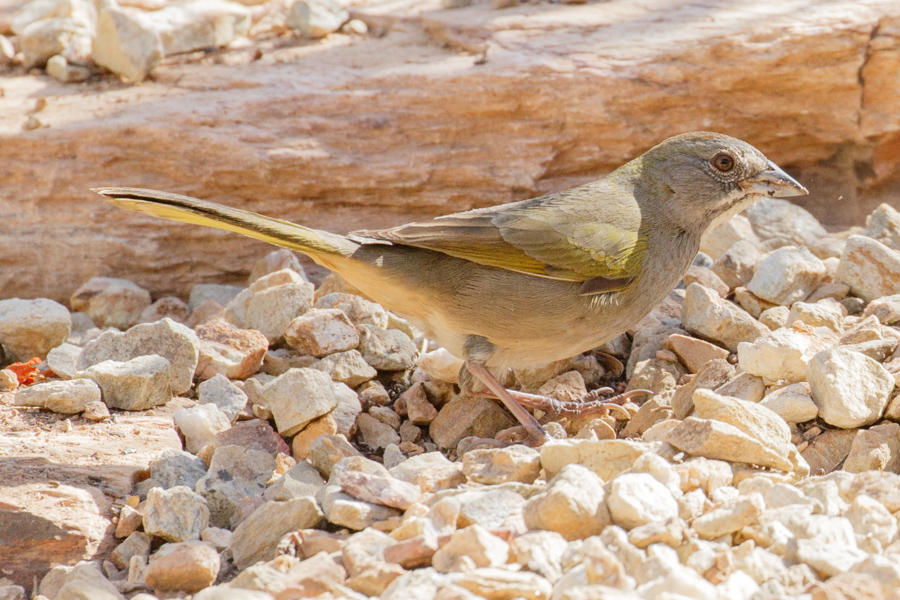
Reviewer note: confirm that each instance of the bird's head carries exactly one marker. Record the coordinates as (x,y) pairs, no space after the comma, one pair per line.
(704,178)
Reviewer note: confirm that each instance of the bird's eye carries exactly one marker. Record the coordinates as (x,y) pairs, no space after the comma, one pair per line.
(723,162)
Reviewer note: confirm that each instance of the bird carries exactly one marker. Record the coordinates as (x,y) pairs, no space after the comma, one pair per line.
(527,283)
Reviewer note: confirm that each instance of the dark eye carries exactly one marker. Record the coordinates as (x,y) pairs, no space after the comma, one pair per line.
(723,162)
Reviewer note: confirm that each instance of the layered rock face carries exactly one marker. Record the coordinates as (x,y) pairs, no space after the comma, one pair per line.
(434,111)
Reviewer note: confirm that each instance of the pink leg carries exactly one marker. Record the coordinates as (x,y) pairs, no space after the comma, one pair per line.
(536,433)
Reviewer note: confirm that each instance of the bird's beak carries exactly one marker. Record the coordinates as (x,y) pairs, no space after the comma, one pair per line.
(773,182)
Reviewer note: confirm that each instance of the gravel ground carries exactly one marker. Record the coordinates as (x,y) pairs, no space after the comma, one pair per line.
(328,453)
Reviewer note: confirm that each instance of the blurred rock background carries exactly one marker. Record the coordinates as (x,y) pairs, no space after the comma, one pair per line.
(427,110)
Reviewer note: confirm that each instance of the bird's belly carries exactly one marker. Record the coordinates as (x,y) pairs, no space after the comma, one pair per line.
(529,321)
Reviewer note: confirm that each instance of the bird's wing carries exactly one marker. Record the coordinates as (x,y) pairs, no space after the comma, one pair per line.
(573,236)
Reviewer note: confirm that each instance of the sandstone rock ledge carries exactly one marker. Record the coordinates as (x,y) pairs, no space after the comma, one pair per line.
(437,110)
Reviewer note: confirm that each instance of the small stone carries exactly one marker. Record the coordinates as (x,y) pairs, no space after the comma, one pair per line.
(752,419)
(370,482)
(166,338)
(168,307)
(706,314)
(492,508)
(883,225)
(177,468)
(184,566)
(301,480)
(31,328)
(347,410)
(126,45)
(281,394)
(736,266)
(475,543)
(718,240)
(496,583)
(777,218)
(224,349)
(499,465)
(342,509)
(868,267)
(111,302)
(274,261)
(712,375)
(656,409)
(418,409)
(732,516)
(138,384)
(784,355)
(793,403)
(176,514)
(753,304)
(817,315)
(565,387)
(67,397)
(573,505)
(63,360)
(694,353)
(226,396)
(322,331)
(431,471)
(468,416)
(271,310)
(316,18)
(256,538)
(876,448)
(358,309)
(347,367)
(656,374)
(606,458)
(829,559)
(850,389)
(327,450)
(130,520)
(199,424)
(440,365)
(221,592)
(717,440)
(386,415)
(743,387)
(828,450)
(637,499)
(871,520)
(220,538)
(301,443)
(707,278)
(95,411)
(136,544)
(376,434)
(44,38)
(775,317)
(540,552)
(218,293)
(885,309)
(9,381)
(386,349)
(255,434)
(234,473)
(787,275)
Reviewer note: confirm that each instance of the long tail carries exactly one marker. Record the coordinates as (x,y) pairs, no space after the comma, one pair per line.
(200,212)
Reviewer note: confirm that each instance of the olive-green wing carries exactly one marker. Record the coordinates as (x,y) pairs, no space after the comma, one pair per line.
(578,236)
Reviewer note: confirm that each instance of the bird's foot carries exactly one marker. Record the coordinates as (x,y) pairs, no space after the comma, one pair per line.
(592,403)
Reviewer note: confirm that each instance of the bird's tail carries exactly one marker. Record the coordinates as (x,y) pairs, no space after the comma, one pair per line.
(200,212)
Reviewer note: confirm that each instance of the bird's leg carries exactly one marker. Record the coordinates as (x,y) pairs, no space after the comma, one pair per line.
(589,404)
(536,433)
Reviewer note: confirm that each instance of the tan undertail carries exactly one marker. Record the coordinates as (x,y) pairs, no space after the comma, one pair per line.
(185,209)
